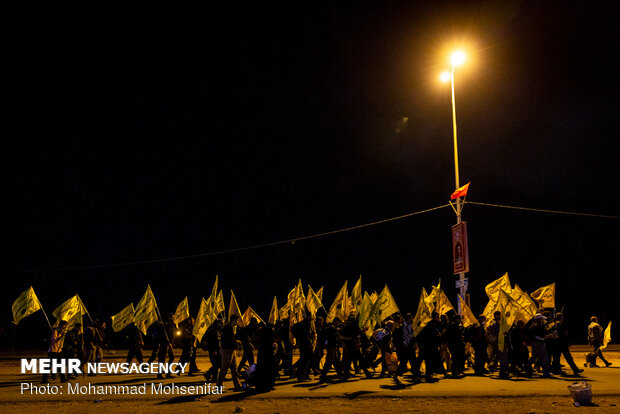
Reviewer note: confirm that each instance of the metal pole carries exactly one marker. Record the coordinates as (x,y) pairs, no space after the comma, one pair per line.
(459,203)
(456,151)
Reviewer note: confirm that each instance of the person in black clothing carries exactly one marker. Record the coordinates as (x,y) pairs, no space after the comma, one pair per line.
(430,341)
(73,346)
(163,346)
(369,352)
(332,338)
(188,346)
(319,349)
(278,331)
(409,355)
(93,341)
(136,343)
(304,335)
(535,330)
(214,333)
(478,338)
(287,348)
(266,365)
(520,353)
(398,341)
(563,347)
(349,336)
(493,341)
(229,359)
(244,335)
(443,348)
(456,345)
(161,334)
(552,342)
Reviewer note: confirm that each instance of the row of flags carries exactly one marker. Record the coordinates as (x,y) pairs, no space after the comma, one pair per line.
(370,309)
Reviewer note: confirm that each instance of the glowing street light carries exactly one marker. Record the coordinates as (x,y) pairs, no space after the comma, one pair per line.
(457,58)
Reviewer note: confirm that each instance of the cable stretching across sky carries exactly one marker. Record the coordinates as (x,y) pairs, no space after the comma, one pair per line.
(293,240)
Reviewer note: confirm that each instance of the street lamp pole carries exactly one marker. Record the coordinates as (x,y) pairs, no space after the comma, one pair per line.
(456,59)
(456,150)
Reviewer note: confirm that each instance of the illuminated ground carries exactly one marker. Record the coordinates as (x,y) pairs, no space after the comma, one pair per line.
(470,394)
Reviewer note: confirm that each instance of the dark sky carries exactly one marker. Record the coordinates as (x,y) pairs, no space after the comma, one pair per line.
(144,132)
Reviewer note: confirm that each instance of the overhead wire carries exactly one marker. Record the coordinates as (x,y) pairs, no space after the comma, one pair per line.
(225,251)
(296,239)
(541,210)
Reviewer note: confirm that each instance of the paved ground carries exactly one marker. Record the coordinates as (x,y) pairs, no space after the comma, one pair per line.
(470,394)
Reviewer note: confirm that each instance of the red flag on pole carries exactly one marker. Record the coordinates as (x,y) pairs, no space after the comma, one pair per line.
(460,192)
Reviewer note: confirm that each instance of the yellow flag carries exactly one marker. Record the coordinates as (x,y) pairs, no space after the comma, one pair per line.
(296,303)
(273,314)
(607,335)
(313,303)
(364,323)
(339,308)
(300,302)
(26,304)
(504,326)
(233,308)
(508,307)
(214,288)
(123,318)
(384,306)
(545,296)
(249,314)
(182,312)
(219,304)
(489,309)
(146,311)
(70,311)
(206,316)
(524,300)
(433,297)
(373,297)
(443,304)
(319,294)
(356,295)
(284,311)
(467,316)
(423,314)
(493,288)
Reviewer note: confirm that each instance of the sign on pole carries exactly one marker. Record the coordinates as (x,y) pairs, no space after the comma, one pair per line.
(460,251)
(464,284)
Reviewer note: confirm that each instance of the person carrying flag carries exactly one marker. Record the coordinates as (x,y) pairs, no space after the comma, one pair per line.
(595,338)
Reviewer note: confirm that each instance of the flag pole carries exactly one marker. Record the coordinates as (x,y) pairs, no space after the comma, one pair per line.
(164,325)
(45,314)
(89,317)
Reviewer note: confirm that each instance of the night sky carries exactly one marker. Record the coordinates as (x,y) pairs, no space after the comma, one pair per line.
(137,133)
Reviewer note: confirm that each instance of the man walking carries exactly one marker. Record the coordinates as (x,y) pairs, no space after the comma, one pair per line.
(229,359)
(595,338)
